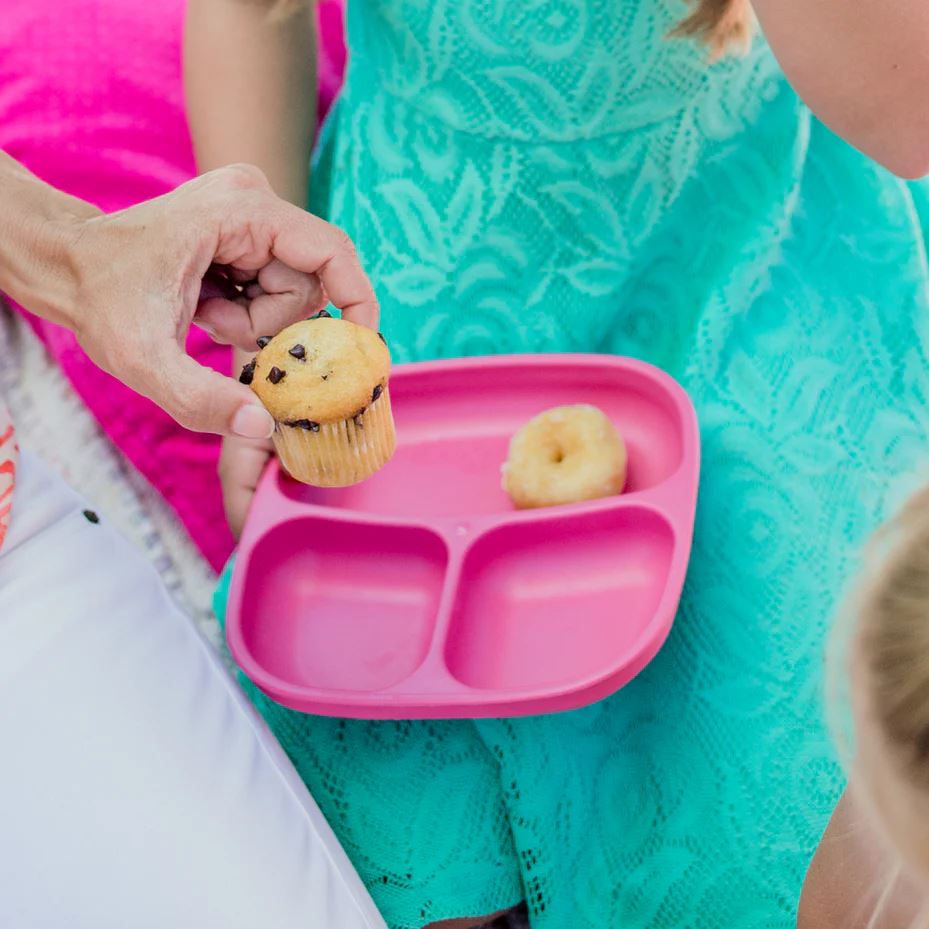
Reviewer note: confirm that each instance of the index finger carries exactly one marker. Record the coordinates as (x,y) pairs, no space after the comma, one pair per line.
(308,243)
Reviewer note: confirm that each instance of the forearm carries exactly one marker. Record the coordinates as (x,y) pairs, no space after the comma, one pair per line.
(37,228)
(250,81)
(863,68)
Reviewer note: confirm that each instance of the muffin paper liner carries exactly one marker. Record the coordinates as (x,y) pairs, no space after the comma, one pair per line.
(339,454)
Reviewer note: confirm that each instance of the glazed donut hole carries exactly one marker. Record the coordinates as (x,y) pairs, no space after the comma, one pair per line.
(568,454)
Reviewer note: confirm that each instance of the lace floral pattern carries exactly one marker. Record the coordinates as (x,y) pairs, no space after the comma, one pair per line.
(556,175)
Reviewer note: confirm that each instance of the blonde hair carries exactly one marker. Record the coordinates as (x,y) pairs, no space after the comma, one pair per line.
(722,25)
(892,638)
(887,667)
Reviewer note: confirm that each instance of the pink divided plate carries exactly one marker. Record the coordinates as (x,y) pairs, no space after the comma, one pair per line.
(423,593)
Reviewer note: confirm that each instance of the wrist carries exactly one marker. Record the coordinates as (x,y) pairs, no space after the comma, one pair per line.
(57,263)
(71,245)
(40,231)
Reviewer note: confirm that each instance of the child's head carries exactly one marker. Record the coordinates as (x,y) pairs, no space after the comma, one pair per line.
(721,24)
(889,662)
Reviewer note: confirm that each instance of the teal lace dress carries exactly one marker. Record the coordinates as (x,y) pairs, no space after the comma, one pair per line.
(553,175)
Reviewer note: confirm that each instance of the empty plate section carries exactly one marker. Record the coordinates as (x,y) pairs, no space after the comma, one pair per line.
(454,425)
(558,601)
(450,476)
(335,605)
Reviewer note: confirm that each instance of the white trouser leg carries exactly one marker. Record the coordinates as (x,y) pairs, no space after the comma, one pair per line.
(138,788)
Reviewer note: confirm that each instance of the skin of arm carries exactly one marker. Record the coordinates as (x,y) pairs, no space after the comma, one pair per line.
(130,284)
(37,229)
(855,881)
(862,66)
(250,86)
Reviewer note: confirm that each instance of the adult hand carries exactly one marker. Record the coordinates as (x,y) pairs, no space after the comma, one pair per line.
(141,277)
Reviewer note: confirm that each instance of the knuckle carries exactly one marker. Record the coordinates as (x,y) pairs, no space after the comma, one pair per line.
(345,244)
(304,288)
(336,239)
(244,177)
(276,276)
(309,292)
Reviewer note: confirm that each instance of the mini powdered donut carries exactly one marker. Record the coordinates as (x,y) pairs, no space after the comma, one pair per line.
(565,455)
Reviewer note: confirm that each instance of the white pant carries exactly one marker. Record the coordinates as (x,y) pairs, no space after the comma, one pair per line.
(138,788)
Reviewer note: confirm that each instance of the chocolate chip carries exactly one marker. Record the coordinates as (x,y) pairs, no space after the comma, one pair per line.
(263,340)
(298,351)
(91,516)
(248,373)
(276,375)
(325,377)
(307,424)
(380,335)
(377,392)
(322,314)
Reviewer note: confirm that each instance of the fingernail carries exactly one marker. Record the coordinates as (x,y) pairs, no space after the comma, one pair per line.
(206,327)
(253,422)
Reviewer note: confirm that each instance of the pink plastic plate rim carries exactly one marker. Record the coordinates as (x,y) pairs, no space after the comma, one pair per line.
(673,501)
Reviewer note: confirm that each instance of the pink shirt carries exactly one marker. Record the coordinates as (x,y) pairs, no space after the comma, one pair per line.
(91,100)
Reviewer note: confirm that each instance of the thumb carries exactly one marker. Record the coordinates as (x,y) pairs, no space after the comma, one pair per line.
(203,400)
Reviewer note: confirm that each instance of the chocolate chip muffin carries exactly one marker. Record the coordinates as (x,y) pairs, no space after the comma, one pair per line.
(324,380)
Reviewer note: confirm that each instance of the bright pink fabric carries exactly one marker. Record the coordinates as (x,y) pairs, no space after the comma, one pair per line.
(91,100)
(331,66)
